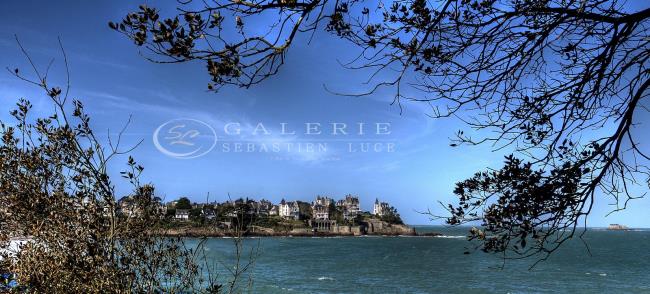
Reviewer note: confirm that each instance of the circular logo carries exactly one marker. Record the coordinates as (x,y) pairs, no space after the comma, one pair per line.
(185,138)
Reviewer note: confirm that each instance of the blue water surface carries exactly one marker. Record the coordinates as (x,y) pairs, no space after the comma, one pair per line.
(619,263)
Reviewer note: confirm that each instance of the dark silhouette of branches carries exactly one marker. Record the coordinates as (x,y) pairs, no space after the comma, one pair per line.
(559,84)
(219,35)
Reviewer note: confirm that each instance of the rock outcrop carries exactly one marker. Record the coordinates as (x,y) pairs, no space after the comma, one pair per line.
(367,227)
(378,227)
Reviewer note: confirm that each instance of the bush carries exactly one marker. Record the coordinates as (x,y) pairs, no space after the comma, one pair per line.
(54,188)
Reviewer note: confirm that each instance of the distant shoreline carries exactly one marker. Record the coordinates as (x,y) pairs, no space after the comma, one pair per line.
(386,230)
(290,235)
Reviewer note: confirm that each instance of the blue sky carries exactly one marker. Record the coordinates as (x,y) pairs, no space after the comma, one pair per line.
(115,82)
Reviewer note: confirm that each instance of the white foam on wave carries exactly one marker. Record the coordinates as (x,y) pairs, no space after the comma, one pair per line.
(603,275)
(324,278)
(451,236)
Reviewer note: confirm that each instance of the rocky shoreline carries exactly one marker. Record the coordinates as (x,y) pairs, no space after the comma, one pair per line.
(374,229)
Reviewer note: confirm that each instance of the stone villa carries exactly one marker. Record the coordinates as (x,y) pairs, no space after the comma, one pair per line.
(350,206)
(321,207)
(321,210)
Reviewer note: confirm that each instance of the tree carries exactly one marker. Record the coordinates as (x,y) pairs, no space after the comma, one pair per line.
(195,213)
(183,203)
(55,189)
(392,216)
(305,210)
(531,76)
(336,214)
(171,212)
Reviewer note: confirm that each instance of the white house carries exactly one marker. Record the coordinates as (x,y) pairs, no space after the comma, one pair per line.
(380,208)
(289,210)
(275,210)
(182,214)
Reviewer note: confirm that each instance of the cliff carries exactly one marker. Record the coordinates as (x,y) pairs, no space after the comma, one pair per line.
(367,227)
(378,227)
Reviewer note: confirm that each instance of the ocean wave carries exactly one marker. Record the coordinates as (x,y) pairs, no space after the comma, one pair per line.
(451,236)
(323,278)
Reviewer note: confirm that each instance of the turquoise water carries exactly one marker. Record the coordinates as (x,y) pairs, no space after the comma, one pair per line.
(620,263)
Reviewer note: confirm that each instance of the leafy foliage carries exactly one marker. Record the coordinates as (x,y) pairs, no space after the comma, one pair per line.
(55,190)
(392,217)
(183,203)
(517,204)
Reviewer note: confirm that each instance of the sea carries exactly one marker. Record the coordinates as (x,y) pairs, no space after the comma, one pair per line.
(614,262)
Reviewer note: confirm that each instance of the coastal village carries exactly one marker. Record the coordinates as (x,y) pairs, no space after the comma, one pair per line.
(323,215)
